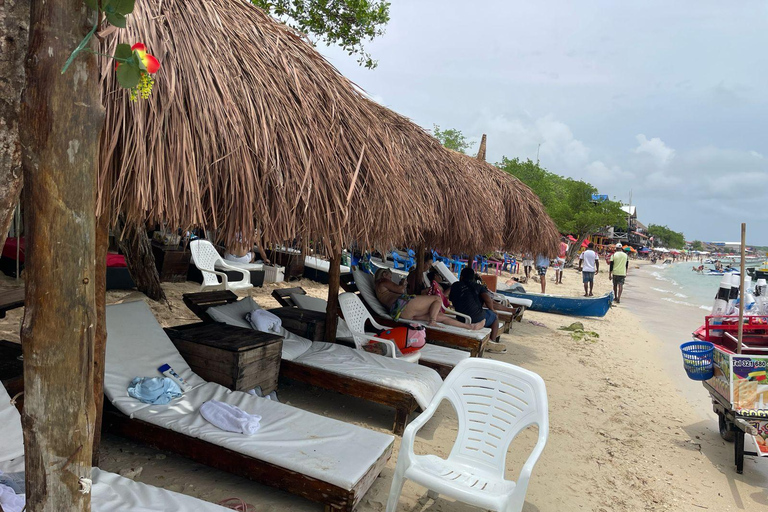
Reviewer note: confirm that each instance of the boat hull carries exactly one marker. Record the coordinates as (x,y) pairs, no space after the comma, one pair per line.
(571,306)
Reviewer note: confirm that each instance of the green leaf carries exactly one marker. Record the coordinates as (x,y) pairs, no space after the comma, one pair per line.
(117,20)
(123,51)
(128,75)
(92,4)
(123,6)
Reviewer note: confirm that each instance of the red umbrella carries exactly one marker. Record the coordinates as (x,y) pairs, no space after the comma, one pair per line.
(572,238)
(585,243)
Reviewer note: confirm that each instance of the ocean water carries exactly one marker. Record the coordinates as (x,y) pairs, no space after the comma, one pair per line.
(679,284)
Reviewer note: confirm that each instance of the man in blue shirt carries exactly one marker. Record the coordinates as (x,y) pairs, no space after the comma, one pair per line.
(542,264)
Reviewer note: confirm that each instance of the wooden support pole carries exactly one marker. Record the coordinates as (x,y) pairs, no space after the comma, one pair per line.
(100,338)
(420,253)
(332,311)
(741,287)
(60,124)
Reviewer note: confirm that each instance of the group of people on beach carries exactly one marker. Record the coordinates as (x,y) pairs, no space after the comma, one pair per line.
(411,300)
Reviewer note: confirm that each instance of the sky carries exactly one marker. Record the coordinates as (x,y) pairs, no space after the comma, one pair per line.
(667,99)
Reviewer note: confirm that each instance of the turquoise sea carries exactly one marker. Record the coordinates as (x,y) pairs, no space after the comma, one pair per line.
(679,284)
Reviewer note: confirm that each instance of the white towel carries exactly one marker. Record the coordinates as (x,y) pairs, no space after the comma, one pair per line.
(265,321)
(230,418)
(10,501)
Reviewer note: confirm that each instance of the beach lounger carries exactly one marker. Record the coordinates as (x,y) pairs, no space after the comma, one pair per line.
(110,492)
(454,337)
(404,386)
(439,358)
(319,458)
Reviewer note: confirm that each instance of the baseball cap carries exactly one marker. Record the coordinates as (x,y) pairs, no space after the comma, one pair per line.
(619,244)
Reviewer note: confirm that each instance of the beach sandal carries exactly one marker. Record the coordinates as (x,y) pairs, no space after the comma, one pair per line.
(237,504)
(495,347)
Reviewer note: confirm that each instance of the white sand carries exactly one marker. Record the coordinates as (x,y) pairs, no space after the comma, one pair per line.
(628,431)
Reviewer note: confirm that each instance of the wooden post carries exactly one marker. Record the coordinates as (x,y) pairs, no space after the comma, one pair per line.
(420,253)
(60,123)
(100,339)
(741,287)
(332,311)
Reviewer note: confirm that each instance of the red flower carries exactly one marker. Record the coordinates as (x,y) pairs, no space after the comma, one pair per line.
(149,61)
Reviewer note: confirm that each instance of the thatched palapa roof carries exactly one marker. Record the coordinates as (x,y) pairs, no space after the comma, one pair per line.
(248,127)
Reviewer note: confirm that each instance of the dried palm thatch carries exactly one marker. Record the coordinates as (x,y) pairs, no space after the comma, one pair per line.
(526,226)
(250,128)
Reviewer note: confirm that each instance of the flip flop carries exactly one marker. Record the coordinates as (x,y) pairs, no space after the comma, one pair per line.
(237,504)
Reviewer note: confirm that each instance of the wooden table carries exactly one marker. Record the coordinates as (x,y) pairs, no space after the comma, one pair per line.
(10,298)
(235,357)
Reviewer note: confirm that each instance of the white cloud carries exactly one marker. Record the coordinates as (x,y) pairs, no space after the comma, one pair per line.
(655,148)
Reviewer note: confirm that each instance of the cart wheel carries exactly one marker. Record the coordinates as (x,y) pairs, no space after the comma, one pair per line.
(725,429)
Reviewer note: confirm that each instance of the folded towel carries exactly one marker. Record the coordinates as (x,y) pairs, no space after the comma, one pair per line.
(265,321)
(10,501)
(154,390)
(230,418)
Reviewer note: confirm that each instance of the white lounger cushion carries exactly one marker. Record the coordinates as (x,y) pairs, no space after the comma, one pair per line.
(12,443)
(323,448)
(234,314)
(139,347)
(111,493)
(323,265)
(244,266)
(319,447)
(365,284)
(418,380)
(114,493)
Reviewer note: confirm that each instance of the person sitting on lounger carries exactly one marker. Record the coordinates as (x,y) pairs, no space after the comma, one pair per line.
(438,288)
(426,308)
(241,251)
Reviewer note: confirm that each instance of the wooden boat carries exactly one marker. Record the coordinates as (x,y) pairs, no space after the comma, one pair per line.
(572,306)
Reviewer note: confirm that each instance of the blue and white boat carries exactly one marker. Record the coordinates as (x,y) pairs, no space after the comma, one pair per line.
(572,306)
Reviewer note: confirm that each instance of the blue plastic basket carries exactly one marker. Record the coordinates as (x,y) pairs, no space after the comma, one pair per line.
(697,359)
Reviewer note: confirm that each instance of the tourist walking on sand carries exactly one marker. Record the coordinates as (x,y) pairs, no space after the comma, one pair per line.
(561,253)
(542,264)
(527,265)
(618,272)
(589,264)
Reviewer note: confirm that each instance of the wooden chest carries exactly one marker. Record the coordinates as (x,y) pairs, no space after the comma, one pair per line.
(292,261)
(302,322)
(235,357)
(172,262)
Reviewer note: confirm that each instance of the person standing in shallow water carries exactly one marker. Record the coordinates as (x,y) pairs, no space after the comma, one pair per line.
(618,272)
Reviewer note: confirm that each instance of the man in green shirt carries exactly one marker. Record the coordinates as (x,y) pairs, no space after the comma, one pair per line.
(618,271)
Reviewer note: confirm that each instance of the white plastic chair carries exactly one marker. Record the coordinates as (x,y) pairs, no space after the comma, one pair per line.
(356,316)
(494,402)
(207,259)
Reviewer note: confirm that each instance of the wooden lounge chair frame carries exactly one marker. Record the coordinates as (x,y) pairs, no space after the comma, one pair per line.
(475,347)
(334,498)
(403,403)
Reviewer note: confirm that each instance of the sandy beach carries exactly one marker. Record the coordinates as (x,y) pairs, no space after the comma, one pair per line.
(628,430)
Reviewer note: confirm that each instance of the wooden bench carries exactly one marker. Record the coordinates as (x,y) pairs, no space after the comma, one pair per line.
(10,298)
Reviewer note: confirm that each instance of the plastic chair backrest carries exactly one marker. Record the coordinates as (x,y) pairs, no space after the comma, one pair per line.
(494,402)
(205,256)
(356,316)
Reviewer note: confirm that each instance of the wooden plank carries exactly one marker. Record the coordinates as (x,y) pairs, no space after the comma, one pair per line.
(255,469)
(475,347)
(199,302)
(283,295)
